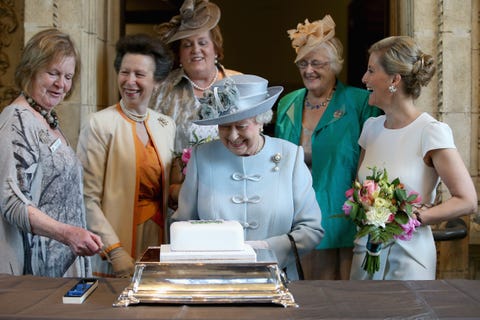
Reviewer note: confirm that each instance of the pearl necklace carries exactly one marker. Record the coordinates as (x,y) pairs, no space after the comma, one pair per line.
(196,86)
(51,117)
(259,145)
(133,115)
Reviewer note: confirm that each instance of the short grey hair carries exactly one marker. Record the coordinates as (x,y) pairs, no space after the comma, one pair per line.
(265,117)
(334,49)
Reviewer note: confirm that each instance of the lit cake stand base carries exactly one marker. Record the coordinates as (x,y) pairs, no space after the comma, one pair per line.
(260,282)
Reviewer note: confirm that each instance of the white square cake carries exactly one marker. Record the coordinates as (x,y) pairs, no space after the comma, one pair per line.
(206,235)
(207,241)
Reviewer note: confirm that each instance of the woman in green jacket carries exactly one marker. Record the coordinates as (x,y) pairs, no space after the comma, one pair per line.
(326,118)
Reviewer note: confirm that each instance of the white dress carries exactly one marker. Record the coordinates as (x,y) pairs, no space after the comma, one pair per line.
(401,152)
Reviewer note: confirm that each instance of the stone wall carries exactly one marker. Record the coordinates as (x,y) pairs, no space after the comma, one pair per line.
(450,33)
(474,253)
(94,26)
(11,43)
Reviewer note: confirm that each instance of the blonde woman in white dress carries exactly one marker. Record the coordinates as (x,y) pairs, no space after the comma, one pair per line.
(414,147)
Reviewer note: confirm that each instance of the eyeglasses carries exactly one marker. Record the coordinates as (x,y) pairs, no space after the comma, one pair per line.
(303,64)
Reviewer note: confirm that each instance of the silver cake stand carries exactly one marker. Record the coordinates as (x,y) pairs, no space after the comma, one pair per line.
(260,282)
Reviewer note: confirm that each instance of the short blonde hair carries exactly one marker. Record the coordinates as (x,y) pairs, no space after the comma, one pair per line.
(402,55)
(41,50)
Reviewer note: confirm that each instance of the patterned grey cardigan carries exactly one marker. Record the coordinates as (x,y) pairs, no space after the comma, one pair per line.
(37,171)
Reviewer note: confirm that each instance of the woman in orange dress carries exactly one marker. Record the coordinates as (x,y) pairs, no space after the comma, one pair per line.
(126,151)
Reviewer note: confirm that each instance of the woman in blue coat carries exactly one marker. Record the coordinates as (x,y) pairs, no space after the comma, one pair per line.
(260,181)
(326,118)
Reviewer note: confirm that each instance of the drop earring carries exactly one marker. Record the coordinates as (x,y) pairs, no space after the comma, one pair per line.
(216,59)
(392,89)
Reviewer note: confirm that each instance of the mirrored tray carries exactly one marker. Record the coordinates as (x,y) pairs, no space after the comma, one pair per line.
(206,283)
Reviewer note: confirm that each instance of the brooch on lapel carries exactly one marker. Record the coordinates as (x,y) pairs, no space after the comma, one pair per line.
(276,160)
(338,114)
(163,121)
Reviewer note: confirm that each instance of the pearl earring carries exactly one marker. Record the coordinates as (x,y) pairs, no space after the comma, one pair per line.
(392,89)
(216,59)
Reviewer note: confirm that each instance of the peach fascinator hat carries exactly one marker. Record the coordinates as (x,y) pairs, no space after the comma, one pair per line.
(309,35)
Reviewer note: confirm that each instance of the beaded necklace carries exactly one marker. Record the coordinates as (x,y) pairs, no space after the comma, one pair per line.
(196,86)
(322,104)
(316,106)
(51,117)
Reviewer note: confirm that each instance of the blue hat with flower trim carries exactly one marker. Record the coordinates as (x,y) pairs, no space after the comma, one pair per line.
(236,98)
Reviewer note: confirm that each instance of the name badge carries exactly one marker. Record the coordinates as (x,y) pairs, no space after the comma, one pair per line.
(54,146)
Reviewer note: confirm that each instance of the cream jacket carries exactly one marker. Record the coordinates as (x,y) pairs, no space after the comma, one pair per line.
(107,150)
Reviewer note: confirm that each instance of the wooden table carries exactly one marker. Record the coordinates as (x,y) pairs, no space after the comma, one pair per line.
(28,297)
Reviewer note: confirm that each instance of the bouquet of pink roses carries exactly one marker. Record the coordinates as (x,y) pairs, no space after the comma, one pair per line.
(382,210)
